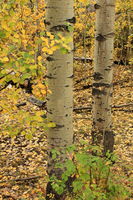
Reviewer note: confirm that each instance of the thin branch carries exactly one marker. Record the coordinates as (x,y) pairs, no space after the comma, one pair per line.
(82,108)
(124,110)
(22,179)
(21,104)
(36,101)
(113,106)
(84,87)
(83,59)
(40,103)
(6,74)
(83,79)
(122,105)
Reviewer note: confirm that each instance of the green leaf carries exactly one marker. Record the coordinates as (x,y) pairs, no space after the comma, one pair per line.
(70,28)
(2,34)
(1,64)
(25,76)
(63,50)
(29,136)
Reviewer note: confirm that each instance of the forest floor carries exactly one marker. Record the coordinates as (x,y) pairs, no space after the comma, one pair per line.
(23,162)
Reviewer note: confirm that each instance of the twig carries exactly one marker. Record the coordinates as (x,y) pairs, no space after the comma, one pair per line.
(113,106)
(122,105)
(21,104)
(124,110)
(117,62)
(9,196)
(82,79)
(42,103)
(84,87)
(36,101)
(6,74)
(22,179)
(82,108)
(83,59)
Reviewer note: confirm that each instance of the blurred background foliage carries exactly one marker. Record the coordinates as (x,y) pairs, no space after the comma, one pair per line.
(85,25)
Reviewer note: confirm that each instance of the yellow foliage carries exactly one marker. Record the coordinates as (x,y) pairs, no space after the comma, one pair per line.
(39,90)
(5,59)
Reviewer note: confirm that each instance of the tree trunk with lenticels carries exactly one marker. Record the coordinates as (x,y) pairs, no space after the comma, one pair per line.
(102,133)
(59,15)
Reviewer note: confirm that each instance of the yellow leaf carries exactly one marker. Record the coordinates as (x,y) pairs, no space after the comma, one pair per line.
(50,35)
(16,35)
(54,48)
(52,43)
(50,51)
(39,113)
(45,40)
(44,49)
(39,58)
(4,25)
(43,92)
(40,86)
(5,59)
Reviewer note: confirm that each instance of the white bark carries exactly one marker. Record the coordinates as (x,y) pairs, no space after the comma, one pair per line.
(103,73)
(59,79)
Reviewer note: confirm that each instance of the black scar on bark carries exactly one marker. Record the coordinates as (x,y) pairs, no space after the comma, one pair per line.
(72,20)
(108,68)
(97,76)
(96,6)
(100,120)
(49,58)
(58,126)
(62,27)
(49,77)
(46,22)
(108,142)
(70,76)
(98,92)
(102,84)
(111,94)
(100,38)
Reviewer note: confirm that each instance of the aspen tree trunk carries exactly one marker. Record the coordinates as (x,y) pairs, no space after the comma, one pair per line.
(59,14)
(103,72)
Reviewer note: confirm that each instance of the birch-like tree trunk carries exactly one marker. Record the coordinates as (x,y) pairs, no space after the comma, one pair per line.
(59,15)
(103,72)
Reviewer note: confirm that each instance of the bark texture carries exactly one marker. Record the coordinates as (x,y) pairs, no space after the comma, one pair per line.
(59,15)
(103,73)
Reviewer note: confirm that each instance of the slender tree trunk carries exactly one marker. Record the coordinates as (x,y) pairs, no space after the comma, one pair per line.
(59,14)
(103,72)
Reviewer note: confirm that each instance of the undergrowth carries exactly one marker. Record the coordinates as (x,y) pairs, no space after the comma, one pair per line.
(92,174)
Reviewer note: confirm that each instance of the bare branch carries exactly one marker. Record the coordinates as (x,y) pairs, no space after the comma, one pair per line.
(22,179)
(122,105)
(21,104)
(36,101)
(82,79)
(113,106)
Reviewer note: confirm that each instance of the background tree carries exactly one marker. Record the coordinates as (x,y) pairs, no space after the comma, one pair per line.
(103,74)
(59,20)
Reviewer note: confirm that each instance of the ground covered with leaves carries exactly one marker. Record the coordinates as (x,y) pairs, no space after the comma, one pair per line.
(23,160)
